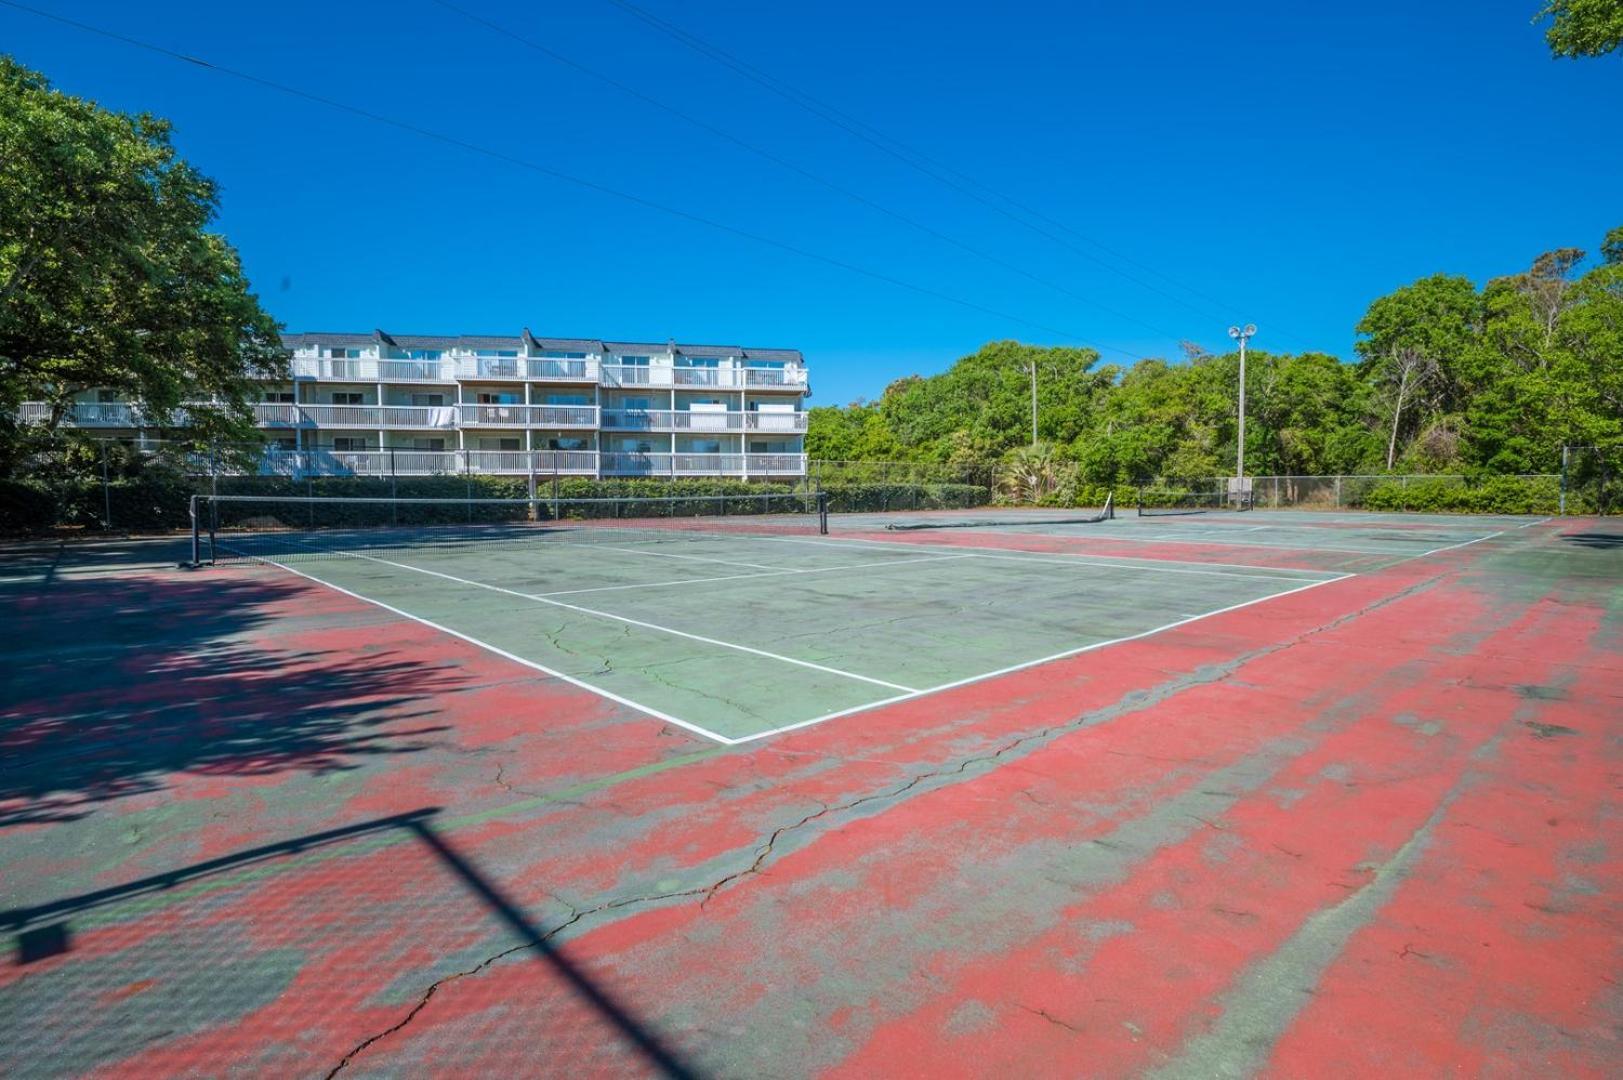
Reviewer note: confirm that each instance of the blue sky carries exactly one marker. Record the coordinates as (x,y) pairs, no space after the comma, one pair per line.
(1283,165)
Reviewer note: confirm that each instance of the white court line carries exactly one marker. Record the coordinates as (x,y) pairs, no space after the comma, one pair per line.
(770,573)
(672,555)
(1061,559)
(1120,562)
(1540,521)
(636,622)
(729,741)
(1031,663)
(504,654)
(1173,538)
(1463,543)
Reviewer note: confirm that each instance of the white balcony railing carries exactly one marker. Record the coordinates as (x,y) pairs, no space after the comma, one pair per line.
(97,414)
(80,414)
(623,463)
(438,417)
(733,378)
(548,416)
(522,367)
(701,420)
(402,461)
(374,370)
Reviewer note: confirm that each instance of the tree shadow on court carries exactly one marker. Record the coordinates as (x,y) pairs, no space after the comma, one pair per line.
(1602,541)
(45,930)
(117,682)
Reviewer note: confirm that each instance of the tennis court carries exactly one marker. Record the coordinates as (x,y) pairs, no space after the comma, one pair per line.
(739,627)
(747,788)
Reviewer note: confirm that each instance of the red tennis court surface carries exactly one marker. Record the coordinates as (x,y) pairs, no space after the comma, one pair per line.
(250,824)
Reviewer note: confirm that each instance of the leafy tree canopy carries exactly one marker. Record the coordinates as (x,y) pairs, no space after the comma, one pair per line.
(1583,27)
(1449,377)
(108,275)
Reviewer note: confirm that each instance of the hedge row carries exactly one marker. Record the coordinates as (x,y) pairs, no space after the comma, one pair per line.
(1493,495)
(878,498)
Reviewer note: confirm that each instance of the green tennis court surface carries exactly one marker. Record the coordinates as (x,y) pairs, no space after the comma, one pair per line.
(739,637)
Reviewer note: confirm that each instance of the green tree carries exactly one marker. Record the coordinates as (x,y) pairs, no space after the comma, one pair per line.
(1412,344)
(108,277)
(1582,27)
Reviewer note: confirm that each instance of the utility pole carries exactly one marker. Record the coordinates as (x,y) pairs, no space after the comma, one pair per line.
(1034,403)
(1242,336)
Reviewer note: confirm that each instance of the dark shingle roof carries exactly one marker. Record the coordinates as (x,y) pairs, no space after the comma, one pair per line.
(424,341)
(792,356)
(567,344)
(709,350)
(504,341)
(636,348)
(294,341)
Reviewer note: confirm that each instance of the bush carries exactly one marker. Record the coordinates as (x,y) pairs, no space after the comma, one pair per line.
(870,498)
(1455,494)
(25,508)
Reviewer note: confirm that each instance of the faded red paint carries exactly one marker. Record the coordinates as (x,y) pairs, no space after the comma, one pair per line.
(936,932)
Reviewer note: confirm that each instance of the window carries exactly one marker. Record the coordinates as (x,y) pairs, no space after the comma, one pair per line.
(698,361)
(500,444)
(634,404)
(568,399)
(779,447)
(107,397)
(497,397)
(500,354)
(347,444)
(428,444)
(280,397)
(554,355)
(346,397)
(285,444)
(704,446)
(568,444)
(344,354)
(432,400)
(634,361)
(425,354)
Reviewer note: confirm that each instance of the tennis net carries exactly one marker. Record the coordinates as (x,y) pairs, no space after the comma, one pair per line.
(270,528)
(1007,516)
(1170,502)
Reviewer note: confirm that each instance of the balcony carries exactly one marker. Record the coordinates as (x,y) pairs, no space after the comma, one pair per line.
(543,416)
(529,368)
(369,370)
(437,418)
(730,378)
(84,414)
(701,420)
(406,462)
(620,463)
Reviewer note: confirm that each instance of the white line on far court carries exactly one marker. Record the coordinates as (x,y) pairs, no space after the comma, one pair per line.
(539,599)
(690,558)
(1033,663)
(1120,562)
(770,573)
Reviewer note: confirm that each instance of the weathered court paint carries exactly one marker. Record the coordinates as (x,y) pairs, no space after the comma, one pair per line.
(1362,827)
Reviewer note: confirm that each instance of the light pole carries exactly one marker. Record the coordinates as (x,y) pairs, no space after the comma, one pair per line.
(1034,403)
(1242,336)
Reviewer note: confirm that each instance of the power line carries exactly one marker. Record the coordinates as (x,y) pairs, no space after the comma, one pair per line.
(582,182)
(917,160)
(798,170)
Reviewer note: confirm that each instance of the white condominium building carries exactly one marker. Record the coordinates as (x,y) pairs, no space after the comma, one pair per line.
(419,404)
